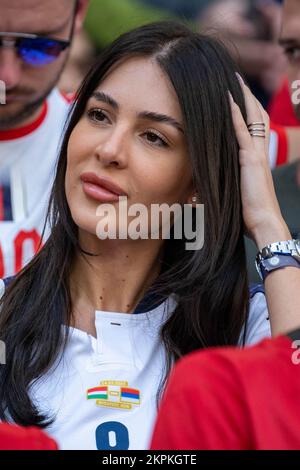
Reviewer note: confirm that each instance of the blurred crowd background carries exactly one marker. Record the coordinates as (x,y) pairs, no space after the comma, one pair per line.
(250,28)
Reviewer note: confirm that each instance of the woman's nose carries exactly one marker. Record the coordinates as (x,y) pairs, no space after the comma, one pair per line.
(113,149)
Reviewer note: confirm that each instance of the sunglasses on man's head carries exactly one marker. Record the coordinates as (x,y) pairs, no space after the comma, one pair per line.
(33,49)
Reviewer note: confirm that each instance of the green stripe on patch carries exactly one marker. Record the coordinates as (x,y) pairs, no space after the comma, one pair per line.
(97,397)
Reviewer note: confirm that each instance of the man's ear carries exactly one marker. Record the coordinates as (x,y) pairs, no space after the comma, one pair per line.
(81,10)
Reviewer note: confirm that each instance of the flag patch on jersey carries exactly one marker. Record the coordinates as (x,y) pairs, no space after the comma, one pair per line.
(114,394)
(100,393)
(130,395)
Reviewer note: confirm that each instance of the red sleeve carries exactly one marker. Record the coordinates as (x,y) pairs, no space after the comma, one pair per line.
(18,438)
(282,144)
(203,407)
(281,110)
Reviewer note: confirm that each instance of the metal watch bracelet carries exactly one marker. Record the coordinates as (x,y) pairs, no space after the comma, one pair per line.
(276,256)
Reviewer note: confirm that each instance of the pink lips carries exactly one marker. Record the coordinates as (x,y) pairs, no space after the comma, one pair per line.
(101,189)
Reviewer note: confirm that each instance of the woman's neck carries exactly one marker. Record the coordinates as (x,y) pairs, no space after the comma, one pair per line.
(115,280)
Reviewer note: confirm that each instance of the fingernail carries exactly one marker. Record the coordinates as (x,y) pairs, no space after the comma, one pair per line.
(240,78)
(230,96)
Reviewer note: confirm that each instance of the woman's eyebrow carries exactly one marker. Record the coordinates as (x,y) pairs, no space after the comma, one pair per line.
(104,98)
(147,115)
(151,116)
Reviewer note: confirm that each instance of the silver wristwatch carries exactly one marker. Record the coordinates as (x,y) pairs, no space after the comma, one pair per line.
(278,255)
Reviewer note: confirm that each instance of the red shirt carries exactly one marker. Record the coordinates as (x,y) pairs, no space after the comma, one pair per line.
(229,398)
(18,438)
(281,109)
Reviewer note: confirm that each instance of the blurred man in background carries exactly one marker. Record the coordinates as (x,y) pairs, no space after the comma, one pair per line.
(35,38)
(250,28)
(282,110)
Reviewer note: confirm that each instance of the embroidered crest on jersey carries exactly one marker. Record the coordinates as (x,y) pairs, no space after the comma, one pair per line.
(114,394)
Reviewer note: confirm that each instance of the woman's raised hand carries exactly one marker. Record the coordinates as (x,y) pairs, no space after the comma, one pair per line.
(261,212)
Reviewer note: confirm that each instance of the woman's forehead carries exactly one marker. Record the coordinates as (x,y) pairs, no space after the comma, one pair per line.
(141,84)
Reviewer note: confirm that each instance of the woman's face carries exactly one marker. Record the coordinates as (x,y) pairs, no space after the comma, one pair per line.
(130,135)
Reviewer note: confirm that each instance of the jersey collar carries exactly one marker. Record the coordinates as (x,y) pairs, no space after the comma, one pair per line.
(19,132)
(150,302)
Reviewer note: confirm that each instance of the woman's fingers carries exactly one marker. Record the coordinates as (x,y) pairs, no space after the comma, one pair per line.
(267,127)
(257,190)
(254,115)
(241,130)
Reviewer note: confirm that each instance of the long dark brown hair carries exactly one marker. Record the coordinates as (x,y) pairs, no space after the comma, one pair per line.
(211,284)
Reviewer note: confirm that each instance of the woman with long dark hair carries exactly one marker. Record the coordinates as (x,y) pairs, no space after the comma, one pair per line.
(92,326)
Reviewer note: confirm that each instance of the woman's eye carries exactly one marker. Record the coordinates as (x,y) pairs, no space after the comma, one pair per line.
(155,139)
(97,115)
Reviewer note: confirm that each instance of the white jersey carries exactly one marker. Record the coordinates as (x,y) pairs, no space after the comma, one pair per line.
(103,391)
(27,162)
(273,149)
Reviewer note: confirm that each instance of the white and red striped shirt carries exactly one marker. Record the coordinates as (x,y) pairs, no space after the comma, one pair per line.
(27,162)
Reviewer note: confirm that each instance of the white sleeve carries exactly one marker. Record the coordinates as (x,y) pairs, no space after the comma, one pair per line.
(273,149)
(258,324)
